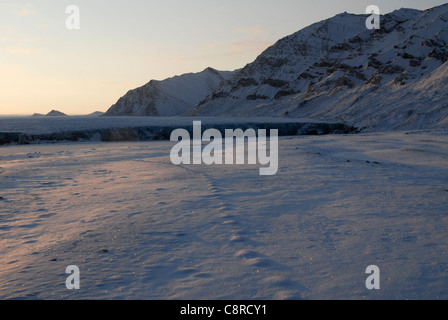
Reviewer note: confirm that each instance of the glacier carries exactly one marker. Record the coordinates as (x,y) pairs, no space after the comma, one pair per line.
(27,130)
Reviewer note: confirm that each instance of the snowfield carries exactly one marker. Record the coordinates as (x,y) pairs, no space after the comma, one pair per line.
(139,227)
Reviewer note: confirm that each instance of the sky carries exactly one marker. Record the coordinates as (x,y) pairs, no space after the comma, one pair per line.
(123,44)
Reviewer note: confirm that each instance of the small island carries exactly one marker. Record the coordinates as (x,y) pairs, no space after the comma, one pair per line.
(52,113)
(56,113)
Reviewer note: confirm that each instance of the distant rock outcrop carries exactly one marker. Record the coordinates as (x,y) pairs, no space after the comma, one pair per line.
(55,113)
(96,113)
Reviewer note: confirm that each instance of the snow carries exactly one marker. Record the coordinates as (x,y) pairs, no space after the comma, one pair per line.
(169,97)
(139,227)
(400,98)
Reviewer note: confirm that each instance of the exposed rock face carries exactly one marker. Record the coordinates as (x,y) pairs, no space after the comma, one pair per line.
(55,113)
(169,97)
(337,69)
(119,134)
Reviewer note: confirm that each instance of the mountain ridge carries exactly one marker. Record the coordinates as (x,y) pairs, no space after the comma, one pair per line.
(168,97)
(341,68)
(338,70)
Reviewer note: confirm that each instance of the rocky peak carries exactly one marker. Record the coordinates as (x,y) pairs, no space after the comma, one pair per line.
(337,63)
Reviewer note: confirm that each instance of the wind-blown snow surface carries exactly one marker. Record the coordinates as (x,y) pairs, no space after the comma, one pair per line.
(139,227)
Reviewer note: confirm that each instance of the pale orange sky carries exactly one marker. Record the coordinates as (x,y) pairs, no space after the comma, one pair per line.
(123,44)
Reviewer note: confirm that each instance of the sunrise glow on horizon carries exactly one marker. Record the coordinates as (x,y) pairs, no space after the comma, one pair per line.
(122,45)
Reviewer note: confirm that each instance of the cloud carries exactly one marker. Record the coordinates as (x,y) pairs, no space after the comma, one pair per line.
(251,31)
(227,50)
(19,50)
(22,46)
(254,39)
(241,47)
(25,11)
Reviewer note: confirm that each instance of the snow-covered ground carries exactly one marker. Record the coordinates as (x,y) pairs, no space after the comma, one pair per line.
(139,227)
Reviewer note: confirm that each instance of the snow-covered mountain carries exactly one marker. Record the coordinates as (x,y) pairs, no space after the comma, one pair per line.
(169,97)
(337,69)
